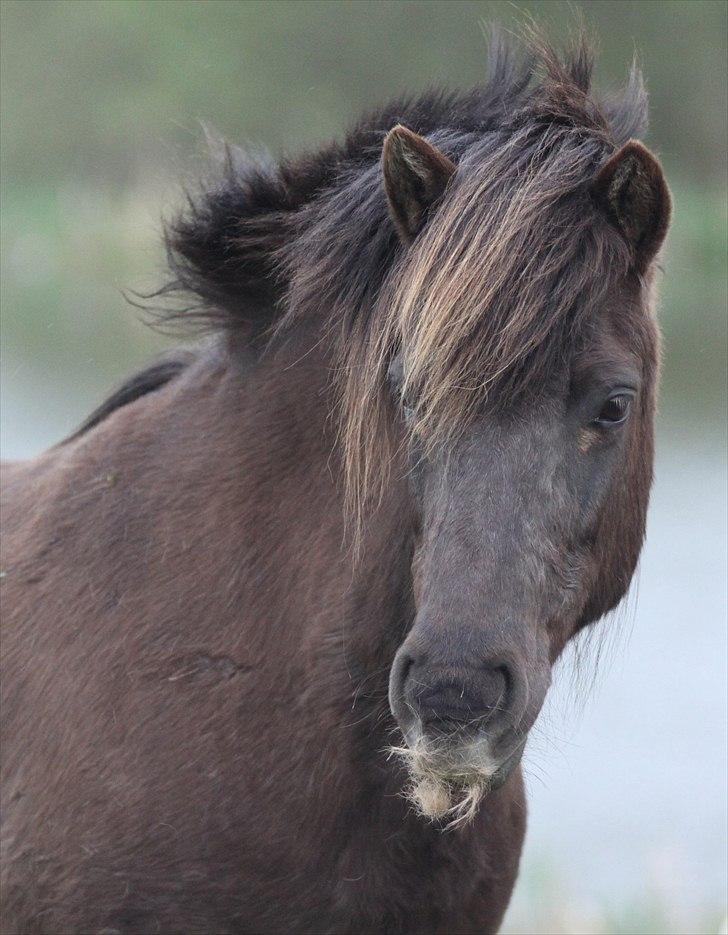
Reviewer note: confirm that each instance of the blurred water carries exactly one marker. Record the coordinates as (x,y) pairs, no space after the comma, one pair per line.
(627,776)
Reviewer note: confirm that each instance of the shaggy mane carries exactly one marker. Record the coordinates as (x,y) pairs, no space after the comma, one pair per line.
(491,293)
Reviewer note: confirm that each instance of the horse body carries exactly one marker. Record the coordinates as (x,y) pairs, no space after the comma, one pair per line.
(412,464)
(144,792)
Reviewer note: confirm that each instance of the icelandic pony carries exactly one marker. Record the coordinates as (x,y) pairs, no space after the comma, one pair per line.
(366,516)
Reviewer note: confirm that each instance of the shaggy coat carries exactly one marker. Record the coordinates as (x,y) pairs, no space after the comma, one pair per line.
(386,449)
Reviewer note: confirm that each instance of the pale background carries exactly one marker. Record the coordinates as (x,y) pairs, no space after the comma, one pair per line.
(103,108)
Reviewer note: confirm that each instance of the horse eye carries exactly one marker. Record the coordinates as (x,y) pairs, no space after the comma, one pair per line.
(615,409)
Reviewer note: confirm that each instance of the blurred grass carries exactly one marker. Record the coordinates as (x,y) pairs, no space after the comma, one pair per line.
(692,308)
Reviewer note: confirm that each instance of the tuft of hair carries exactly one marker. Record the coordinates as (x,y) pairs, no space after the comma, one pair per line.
(448,780)
(493,294)
(488,295)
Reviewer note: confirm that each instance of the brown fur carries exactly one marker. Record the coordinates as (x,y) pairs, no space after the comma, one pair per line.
(174,760)
(195,716)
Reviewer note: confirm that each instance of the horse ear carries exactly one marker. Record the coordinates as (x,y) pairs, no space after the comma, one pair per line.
(632,190)
(415,176)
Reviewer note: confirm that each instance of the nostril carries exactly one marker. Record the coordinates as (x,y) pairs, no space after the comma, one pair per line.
(398,702)
(448,701)
(400,673)
(454,699)
(493,692)
(404,668)
(502,683)
(448,705)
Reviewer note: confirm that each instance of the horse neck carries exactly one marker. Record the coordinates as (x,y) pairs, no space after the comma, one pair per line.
(280,440)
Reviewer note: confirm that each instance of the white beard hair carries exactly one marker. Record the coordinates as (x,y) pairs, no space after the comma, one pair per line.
(447,780)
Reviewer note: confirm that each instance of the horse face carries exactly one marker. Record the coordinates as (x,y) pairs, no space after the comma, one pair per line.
(530,526)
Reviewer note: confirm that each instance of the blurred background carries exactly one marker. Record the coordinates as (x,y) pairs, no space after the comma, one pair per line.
(104,110)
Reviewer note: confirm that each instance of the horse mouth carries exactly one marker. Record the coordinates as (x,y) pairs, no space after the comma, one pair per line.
(450,776)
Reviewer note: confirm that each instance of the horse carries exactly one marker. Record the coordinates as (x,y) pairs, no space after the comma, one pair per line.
(279,616)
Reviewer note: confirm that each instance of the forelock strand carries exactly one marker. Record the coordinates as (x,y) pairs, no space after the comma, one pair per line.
(493,293)
(485,300)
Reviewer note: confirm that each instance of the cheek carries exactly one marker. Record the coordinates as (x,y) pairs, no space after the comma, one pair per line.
(597,469)
(576,576)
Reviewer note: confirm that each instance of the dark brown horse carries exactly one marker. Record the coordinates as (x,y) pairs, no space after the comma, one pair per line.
(369,514)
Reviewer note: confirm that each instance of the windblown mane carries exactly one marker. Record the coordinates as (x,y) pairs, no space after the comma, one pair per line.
(488,296)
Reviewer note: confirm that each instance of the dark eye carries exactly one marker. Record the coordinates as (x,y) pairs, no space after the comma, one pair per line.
(615,409)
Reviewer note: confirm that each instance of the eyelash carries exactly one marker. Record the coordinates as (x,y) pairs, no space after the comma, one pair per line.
(615,410)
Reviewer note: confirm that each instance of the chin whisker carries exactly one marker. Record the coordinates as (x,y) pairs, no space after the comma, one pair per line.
(447,780)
